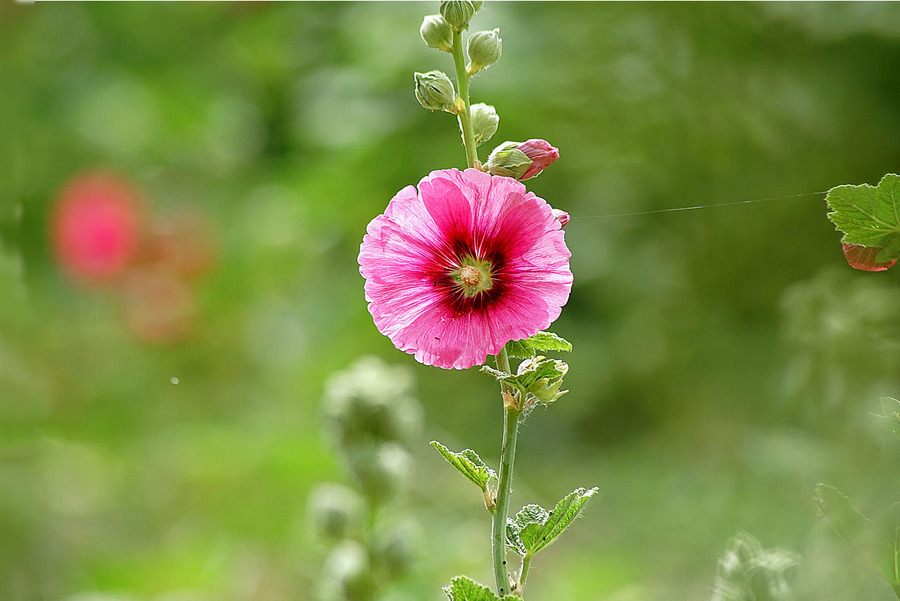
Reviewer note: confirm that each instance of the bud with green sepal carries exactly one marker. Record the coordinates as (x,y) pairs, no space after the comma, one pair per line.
(537,380)
(521,160)
(484,49)
(434,91)
(458,12)
(507,160)
(484,122)
(437,33)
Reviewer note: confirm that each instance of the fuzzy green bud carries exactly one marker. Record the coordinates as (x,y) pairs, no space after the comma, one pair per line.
(381,472)
(484,50)
(348,573)
(436,33)
(484,122)
(335,512)
(434,91)
(458,13)
(541,378)
(508,161)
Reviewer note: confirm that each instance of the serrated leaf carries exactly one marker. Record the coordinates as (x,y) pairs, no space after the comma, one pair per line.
(466,589)
(537,527)
(469,464)
(869,217)
(512,537)
(838,509)
(542,342)
(536,368)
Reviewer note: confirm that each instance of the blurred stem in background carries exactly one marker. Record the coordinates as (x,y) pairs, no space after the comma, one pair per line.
(372,417)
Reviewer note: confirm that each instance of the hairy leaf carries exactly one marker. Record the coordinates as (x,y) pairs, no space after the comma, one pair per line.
(542,342)
(466,589)
(536,528)
(469,465)
(868,217)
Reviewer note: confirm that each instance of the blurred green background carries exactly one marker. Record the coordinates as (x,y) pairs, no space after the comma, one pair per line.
(726,359)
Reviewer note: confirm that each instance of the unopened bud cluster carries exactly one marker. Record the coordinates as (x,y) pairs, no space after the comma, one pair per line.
(434,90)
(372,418)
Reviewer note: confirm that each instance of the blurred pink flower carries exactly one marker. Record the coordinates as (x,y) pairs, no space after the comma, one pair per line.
(864,257)
(95,227)
(541,154)
(462,267)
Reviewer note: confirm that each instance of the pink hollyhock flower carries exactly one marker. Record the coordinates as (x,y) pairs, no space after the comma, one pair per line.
(864,257)
(462,266)
(95,227)
(541,154)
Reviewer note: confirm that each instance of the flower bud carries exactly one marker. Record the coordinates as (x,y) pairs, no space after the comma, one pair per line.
(381,472)
(436,33)
(484,50)
(348,573)
(434,91)
(541,155)
(484,122)
(458,13)
(545,389)
(562,217)
(335,512)
(507,160)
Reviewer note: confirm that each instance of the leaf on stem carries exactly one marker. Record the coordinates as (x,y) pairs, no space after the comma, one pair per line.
(542,342)
(469,464)
(466,589)
(869,218)
(534,527)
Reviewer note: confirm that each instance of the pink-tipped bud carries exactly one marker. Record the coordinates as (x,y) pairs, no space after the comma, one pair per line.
(865,258)
(562,217)
(541,154)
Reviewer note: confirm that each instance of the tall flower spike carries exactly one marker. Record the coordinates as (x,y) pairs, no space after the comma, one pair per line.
(461,266)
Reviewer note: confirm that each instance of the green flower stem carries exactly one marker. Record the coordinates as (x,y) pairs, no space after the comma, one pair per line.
(462,85)
(507,460)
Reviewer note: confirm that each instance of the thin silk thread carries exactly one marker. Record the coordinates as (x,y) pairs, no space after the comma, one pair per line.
(693,208)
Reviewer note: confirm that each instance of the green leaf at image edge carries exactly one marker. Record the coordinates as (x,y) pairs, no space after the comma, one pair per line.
(868,216)
(469,464)
(542,342)
(466,589)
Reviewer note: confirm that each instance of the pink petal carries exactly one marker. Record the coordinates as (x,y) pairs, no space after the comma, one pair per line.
(409,251)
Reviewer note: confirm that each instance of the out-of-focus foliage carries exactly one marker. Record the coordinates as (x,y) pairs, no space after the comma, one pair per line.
(726,359)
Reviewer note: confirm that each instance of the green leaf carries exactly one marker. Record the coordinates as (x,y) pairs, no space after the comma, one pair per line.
(868,216)
(890,410)
(535,527)
(841,515)
(513,541)
(469,465)
(542,342)
(466,589)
